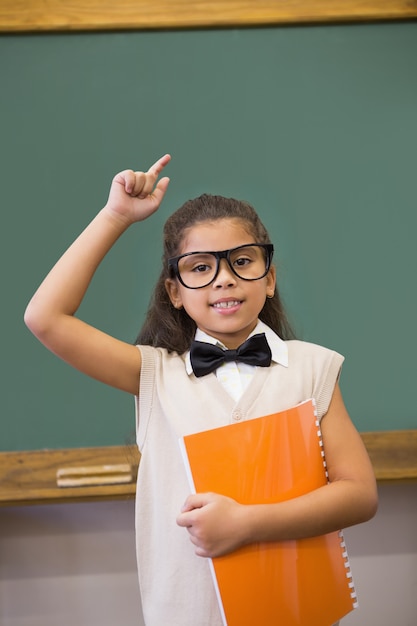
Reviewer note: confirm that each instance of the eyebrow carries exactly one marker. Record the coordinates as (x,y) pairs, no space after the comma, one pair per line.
(243,245)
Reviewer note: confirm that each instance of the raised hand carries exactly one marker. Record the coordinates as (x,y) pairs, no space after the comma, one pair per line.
(50,314)
(136,195)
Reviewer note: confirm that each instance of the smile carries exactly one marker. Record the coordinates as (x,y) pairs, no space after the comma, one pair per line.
(226,305)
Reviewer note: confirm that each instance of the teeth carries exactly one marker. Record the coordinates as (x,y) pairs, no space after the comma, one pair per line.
(226,305)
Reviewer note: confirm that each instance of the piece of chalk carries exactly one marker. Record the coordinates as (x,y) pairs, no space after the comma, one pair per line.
(94,475)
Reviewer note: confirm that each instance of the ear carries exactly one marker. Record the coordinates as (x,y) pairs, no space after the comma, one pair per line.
(173,291)
(271,279)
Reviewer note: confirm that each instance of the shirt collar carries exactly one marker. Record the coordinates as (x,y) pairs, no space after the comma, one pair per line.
(279,349)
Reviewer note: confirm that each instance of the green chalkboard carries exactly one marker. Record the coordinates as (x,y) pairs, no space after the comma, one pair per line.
(316,126)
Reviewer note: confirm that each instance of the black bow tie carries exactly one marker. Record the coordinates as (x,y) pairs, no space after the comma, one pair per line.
(206,357)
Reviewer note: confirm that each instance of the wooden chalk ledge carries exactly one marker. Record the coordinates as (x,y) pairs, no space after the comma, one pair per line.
(31,477)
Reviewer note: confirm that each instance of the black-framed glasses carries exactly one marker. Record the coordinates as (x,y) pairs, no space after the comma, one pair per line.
(195,270)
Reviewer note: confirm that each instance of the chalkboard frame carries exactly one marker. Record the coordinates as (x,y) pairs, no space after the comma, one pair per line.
(30,477)
(39,15)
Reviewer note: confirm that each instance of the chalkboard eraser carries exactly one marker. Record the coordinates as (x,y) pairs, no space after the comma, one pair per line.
(94,475)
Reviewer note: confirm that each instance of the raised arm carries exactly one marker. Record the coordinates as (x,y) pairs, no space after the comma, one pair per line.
(50,314)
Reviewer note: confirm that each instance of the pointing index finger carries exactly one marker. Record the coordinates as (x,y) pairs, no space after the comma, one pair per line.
(159,165)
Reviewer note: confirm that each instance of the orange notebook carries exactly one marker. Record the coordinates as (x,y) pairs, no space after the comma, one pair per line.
(274,458)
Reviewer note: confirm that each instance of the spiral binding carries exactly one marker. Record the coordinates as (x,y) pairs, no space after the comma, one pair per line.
(345,556)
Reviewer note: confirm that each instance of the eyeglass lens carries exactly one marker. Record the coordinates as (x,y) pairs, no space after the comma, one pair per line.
(198,269)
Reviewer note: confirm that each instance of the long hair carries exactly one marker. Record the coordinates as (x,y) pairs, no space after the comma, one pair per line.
(173,329)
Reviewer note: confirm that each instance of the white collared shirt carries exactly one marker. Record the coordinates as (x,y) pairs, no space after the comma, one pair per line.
(234,375)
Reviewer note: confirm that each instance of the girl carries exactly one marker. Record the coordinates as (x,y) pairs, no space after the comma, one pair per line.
(217,286)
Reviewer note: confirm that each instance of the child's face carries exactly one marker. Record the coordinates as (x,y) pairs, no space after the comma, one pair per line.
(233,324)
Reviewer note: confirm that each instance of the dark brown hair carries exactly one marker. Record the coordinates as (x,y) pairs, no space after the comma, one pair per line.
(173,329)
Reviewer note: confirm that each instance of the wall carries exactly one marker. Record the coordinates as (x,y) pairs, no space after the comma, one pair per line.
(75,564)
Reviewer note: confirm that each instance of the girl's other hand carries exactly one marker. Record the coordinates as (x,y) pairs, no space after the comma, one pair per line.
(216,524)
(134,196)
